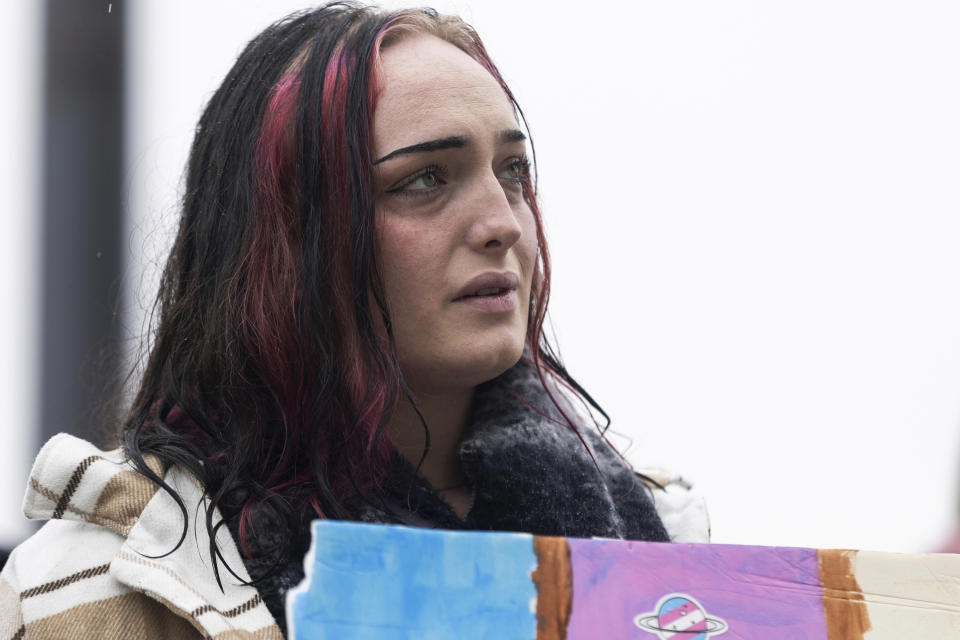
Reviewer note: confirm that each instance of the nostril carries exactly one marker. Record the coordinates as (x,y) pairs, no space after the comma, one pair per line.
(492,244)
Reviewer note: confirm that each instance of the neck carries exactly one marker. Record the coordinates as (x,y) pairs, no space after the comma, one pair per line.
(446,417)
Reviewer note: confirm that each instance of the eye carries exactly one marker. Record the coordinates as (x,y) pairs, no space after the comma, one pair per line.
(423,181)
(426,181)
(517,170)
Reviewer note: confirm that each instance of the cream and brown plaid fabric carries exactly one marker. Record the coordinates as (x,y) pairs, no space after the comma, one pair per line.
(104,566)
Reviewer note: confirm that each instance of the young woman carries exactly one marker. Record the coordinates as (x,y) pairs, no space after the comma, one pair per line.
(350,326)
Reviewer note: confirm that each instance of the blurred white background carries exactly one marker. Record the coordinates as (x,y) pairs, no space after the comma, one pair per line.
(20,68)
(753,216)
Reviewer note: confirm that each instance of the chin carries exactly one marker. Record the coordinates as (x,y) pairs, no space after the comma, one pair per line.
(490,364)
(457,369)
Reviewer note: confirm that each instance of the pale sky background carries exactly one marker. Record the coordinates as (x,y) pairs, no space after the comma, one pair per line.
(752,209)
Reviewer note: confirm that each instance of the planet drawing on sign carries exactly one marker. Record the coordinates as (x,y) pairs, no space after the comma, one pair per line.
(680,617)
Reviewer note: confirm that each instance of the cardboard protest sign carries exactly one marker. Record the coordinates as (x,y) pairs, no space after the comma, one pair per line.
(377,582)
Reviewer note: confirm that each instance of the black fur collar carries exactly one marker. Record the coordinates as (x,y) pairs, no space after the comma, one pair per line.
(530,472)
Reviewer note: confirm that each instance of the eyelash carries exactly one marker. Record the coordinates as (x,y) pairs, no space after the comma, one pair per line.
(521,162)
(523,167)
(401,189)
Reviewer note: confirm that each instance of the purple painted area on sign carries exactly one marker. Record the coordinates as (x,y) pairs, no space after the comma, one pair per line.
(760,592)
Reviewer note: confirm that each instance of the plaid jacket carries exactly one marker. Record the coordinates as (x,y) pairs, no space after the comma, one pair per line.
(98,568)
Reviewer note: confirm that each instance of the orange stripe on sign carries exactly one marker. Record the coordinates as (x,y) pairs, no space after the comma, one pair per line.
(553,578)
(843,604)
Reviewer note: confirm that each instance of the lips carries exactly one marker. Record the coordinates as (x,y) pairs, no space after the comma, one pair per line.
(489,284)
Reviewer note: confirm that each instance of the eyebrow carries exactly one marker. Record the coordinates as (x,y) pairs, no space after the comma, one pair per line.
(512,135)
(450,142)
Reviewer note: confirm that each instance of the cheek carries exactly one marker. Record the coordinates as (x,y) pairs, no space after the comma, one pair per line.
(395,244)
(407,261)
(528,244)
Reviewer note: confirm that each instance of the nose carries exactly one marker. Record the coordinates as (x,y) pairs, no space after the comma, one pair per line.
(494,226)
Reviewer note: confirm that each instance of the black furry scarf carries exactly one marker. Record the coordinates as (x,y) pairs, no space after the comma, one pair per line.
(528,471)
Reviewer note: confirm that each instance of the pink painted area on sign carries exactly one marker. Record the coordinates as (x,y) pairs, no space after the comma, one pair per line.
(745,592)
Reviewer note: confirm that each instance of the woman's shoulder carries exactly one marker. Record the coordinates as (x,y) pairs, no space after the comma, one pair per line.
(73,480)
(56,578)
(58,582)
(115,559)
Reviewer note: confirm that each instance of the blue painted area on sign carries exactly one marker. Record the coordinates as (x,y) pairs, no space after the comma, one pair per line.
(380,582)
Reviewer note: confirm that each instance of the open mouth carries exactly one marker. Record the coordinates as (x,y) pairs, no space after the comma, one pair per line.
(490,300)
(491,291)
(482,293)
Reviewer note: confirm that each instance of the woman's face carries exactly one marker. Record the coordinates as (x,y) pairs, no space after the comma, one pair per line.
(451,218)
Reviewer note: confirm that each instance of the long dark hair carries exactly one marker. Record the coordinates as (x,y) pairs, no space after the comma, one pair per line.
(268,377)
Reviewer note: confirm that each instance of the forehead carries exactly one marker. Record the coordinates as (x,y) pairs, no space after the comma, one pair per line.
(431,88)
